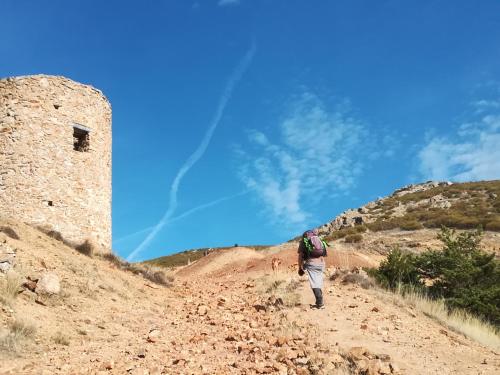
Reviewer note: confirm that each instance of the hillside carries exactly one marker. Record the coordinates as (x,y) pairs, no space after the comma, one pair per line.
(225,314)
(186,257)
(409,218)
(429,205)
(65,311)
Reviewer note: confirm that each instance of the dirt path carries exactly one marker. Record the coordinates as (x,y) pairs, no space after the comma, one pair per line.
(418,344)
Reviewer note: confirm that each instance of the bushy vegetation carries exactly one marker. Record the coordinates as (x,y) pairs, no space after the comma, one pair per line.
(9,232)
(357,229)
(353,238)
(86,248)
(461,273)
(17,331)
(398,268)
(10,286)
(149,272)
(473,204)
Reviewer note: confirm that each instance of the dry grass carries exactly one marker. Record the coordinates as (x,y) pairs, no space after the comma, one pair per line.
(157,275)
(112,258)
(60,339)
(9,232)
(18,331)
(456,320)
(353,238)
(355,278)
(10,285)
(279,287)
(86,248)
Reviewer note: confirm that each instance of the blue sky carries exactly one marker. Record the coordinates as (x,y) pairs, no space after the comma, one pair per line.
(314,107)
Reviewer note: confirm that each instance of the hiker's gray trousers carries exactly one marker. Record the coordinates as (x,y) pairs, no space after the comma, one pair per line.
(315,273)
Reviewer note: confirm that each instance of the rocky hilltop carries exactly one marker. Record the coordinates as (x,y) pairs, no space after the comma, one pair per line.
(427,205)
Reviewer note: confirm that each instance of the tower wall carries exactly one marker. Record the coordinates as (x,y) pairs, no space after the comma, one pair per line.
(55,156)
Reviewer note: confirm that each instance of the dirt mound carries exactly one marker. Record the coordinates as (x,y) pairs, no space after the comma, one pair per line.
(221,261)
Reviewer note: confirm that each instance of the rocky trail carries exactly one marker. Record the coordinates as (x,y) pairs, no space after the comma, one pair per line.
(415,343)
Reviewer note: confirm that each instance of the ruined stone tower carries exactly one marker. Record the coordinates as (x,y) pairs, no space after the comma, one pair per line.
(55,156)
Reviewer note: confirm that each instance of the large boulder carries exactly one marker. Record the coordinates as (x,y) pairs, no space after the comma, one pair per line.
(48,284)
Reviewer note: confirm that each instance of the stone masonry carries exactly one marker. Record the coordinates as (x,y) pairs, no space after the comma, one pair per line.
(55,156)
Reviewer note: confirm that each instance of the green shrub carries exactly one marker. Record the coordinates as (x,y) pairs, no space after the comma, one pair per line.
(398,268)
(353,238)
(411,225)
(461,273)
(360,228)
(493,225)
(381,225)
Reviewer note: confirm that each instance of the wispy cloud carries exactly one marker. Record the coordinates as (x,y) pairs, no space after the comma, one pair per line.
(179,217)
(233,80)
(316,155)
(223,3)
(471,153)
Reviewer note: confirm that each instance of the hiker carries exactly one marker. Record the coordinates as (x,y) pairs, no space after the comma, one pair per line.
(312,251)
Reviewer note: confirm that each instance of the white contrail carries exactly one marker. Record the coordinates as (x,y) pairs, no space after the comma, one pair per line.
(226,95)
(183,215)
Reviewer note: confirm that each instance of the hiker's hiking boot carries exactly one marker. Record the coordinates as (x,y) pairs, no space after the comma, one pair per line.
(317,307)
(318,294)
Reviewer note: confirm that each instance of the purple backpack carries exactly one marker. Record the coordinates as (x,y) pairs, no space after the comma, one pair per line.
(315,246)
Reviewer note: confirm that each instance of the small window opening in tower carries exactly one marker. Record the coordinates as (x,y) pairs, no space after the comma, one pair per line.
(57,106)
(81,139)
(50,203)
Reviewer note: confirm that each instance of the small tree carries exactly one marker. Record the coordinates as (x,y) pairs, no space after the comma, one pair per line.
(398,268)
(466,276)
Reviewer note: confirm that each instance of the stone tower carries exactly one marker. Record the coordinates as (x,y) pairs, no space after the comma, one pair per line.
(55,156)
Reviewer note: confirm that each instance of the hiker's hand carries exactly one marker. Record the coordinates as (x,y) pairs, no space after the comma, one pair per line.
(301,272)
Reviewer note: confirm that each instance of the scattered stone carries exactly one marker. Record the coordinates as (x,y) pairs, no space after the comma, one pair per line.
(384,357)
(30,284)
(260,308)
(281,341)
(384,368)
(156,370)
(154,335)
(7,257)
(394,368)
(357,353)
(375,309)
(202,310)
(108,365)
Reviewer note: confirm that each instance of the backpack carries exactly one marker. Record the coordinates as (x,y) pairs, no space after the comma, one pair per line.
(315,246)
